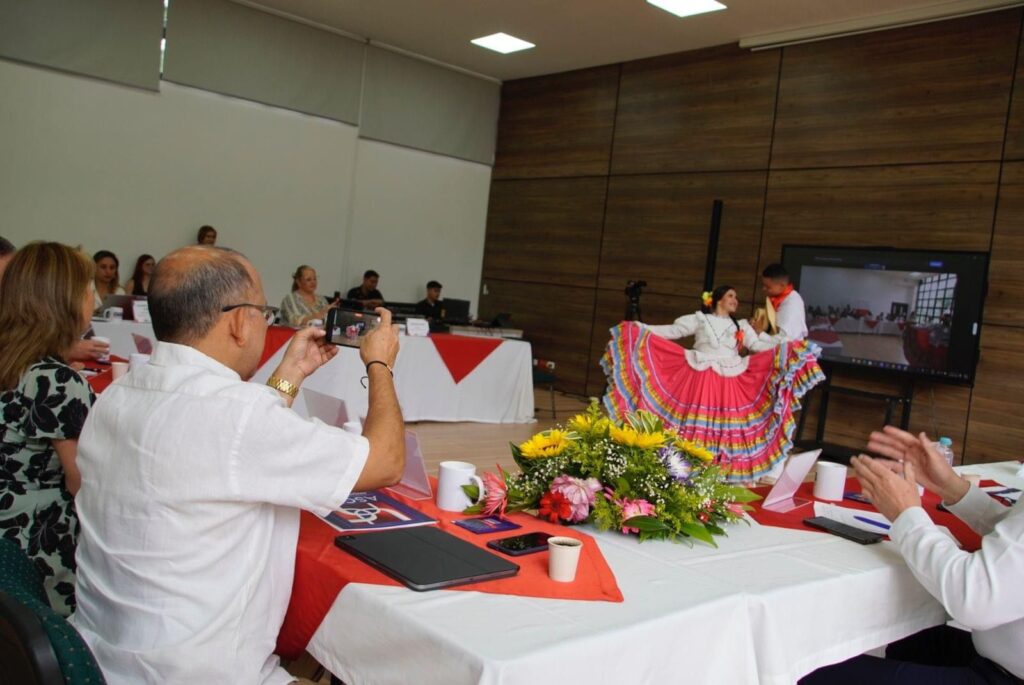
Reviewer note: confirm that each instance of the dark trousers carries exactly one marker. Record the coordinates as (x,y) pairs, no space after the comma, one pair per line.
(937,656)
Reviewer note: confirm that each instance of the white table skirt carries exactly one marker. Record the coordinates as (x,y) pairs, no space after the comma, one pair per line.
(120,333)
(499,390)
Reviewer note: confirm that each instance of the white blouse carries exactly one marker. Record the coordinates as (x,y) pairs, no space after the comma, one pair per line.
(715,345)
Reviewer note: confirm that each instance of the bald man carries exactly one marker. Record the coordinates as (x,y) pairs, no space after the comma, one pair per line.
(192,481)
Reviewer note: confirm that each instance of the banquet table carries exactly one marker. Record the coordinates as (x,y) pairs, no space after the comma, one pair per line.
(769,605)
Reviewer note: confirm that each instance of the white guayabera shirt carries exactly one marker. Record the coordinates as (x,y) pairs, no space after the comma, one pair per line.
(192,481)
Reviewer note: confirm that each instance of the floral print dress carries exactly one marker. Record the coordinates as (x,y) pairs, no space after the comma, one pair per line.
(50,403)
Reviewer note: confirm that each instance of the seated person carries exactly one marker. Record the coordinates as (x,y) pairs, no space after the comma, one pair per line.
(138,284)
(431,307)
(738,407)
(192,480)
(207,235)
(43,403)
(302,304)
(106,281)
(981,590)
(366,293)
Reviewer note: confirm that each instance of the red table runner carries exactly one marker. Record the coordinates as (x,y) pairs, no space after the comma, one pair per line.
(463,353)
(277,336)
(322,571)
(970,540)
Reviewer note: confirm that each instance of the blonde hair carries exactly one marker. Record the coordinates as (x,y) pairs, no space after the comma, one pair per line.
(41,295)
(298,274)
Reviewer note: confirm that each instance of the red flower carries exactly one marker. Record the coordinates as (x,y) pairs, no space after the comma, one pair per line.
(739,338)
(554,506)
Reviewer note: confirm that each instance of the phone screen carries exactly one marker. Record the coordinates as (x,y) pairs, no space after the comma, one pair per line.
(521,544)
(345,327)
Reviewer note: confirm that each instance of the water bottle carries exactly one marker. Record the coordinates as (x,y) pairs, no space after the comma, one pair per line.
(945,447)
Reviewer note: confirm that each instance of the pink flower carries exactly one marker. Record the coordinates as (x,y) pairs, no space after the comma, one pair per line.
(495,493)
(578,492)
(634,507)
(735,508)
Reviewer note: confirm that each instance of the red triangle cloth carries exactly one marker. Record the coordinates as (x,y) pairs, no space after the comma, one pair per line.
(322,570)
(277,336)
(463,353)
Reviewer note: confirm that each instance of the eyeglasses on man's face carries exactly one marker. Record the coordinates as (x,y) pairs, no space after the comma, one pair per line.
(269,313)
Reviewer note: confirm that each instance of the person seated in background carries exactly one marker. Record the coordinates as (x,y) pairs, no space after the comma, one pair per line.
(981,590)
(6,252)
(44,403)
(106,281)
(138,284)
(193,478)
(431,307)
(366,293)
(302,304)
(784,308)
(207,235)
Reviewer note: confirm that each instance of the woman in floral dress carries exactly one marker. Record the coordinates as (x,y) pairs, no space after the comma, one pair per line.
(46,299)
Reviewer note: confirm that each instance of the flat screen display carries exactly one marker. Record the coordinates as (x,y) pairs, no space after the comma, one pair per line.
(903,310)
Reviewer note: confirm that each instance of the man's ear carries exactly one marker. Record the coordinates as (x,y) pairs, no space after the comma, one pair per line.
(239,325)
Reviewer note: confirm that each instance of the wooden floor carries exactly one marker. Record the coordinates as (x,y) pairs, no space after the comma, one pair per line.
(482,444)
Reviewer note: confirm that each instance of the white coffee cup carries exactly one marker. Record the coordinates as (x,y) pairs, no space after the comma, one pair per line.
(830,481)
(451,476)
(100,339)
(137,360)
(114,313)
(118,369)
(563,558)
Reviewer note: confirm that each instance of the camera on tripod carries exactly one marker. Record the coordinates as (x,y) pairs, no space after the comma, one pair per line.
(633,291)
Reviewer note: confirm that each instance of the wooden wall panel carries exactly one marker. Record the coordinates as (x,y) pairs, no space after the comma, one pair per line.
(1014,148)
(1005,301)
(656,229)
(556,320)
(704,110)
(932,93)
(559,125)
(995,431)
(545,230)
(939,206)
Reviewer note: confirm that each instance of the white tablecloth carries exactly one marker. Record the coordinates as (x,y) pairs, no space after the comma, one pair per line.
(120,333)
(499,390)
(768,606)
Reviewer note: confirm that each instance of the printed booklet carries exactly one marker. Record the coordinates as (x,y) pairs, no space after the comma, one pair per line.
(374,510)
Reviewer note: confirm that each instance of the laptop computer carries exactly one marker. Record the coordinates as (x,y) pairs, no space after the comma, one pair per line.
(122,301)
(454,311)
(426,558)
(780,499)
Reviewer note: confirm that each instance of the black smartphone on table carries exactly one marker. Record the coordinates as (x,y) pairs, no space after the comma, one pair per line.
(842,530)
(518,545)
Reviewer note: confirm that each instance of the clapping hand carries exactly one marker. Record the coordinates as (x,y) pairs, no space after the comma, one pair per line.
(930,468)
(891,493)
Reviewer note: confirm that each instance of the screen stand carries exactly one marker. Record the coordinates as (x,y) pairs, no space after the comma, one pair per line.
(786,505)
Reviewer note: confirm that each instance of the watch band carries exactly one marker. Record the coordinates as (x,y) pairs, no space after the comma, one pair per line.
(281,385)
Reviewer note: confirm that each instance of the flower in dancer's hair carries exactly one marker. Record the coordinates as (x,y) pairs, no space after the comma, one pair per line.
(634,507)
(705,298)
(676,465)
(549,443)
(554,507)
(495,493)
(578,492)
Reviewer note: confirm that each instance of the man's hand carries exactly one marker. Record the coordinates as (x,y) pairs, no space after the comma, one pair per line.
(306,353)
(86,350)
(930,468)
(891,493)
(380,344)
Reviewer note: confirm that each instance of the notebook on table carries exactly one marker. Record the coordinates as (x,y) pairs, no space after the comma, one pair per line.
(426,558)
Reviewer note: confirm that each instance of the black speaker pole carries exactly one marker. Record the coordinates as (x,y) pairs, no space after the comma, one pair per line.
(716,225)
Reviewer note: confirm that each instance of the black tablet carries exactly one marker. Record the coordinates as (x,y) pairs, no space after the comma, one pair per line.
(426,558)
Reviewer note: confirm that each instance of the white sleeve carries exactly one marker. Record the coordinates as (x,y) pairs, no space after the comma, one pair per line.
(791,318)
(754,341)
(287,460)
(982,589)
(680,328)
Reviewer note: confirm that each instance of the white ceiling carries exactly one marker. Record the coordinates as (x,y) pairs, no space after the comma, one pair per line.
(573,34)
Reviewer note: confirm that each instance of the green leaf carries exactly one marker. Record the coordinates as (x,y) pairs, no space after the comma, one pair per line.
(698,531)
(742,494)
(477,508)
(646,524)
(472,491)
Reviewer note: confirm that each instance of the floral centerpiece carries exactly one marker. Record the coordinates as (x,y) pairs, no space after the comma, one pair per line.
(637,476)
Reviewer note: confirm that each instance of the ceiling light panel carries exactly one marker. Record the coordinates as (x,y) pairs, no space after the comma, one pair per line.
(502,42)
(687,8)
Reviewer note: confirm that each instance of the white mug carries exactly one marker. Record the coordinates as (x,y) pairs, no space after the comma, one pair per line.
(563,558)
(100,339)
(113,314)
(137,360)
(830,481)
(451,476)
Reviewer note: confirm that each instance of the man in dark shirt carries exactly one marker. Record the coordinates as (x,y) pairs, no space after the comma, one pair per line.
(367,293)
(431,308)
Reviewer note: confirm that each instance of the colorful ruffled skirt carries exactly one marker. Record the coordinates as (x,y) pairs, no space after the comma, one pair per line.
(747,420)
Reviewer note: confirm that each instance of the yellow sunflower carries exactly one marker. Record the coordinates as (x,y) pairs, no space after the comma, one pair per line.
(585,423)
(548,443)
(695,450)
(631,437)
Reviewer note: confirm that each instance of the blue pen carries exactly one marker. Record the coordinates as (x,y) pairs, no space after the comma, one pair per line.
(865,519)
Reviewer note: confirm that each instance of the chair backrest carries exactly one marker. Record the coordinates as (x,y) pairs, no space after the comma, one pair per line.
(33,637)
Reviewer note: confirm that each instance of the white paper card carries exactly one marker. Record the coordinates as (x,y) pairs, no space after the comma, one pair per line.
(140,311)
(418,327)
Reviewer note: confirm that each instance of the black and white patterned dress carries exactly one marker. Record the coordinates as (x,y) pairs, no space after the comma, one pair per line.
(50,403)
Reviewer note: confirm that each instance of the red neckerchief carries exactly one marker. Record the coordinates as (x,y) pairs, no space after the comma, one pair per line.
(776,300)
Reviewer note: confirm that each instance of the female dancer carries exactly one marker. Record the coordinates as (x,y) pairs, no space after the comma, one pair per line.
(738,406)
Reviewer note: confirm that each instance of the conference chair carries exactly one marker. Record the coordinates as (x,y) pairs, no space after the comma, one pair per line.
(544,374)
(37,645)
